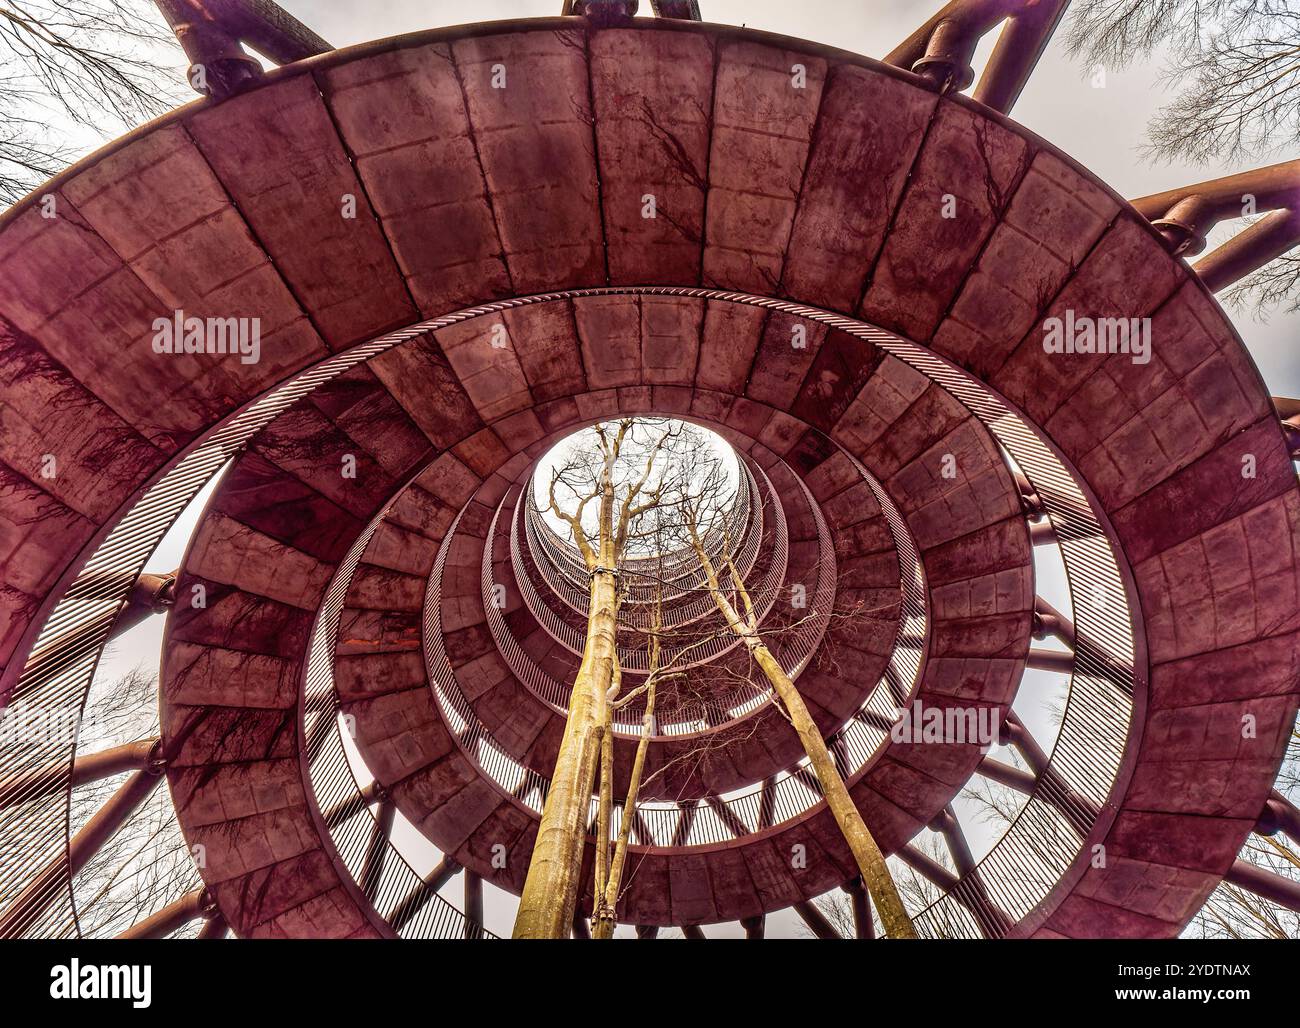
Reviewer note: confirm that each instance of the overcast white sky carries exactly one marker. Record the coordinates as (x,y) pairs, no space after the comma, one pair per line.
(1102,128)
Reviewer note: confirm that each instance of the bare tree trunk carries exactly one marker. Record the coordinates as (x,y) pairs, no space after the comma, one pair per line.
(550,895)
(607,905)
(551,889)
(866,853)
(606,806)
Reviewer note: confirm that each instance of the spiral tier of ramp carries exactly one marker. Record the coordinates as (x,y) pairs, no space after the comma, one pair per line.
(401,639)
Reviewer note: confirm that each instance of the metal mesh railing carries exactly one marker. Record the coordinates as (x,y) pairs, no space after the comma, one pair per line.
(1020,869)
(382,873)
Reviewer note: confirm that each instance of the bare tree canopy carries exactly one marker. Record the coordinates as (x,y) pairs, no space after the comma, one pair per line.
(90,62)
(1237,61)
(1236,67)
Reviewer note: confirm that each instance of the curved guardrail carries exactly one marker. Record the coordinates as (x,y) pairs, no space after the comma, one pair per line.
(1039,845)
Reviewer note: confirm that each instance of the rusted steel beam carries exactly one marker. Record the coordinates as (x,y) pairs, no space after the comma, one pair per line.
(870,717)
(1289,411)
(219,66)
(352,805)
(1019,736)
(372,867)
(1273,187)
(840,754)
(151,594)
(46,885)
(215,928)
(683,10)
(928,868)
(93,767)
(728,817)
(1019,48)
(1050,621)
(159,925)
(806,778)
(603,12)
(1251,249)
(641,833)
(213,33)
(271,30)
(962,18)
(942,49)
(864,927)
(414,901)
(1050,660)
(1285,892)
(1280,815)
(1185,216)
(683,830)
(473,906)
(1030,501)
(992,921)
(1078,810)
(1088,657)
(1005,774)
(816,920)
(1041,533)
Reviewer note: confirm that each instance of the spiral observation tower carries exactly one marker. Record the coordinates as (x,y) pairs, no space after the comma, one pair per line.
(433,257)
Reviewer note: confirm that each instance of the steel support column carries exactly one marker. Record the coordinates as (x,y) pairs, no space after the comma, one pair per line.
(414,901)
(1185,216)
(44,888)
(94,767)
(816,920)
(159,925)
(473,906)
(1285,892)
(864,927)
(941,50)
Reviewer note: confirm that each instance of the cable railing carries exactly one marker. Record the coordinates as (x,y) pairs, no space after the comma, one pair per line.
(364,847)
(1021,868)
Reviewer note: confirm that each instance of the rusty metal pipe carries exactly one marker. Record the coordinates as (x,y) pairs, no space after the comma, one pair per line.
(45,886)
(1248,251)
(816,920)
(473,906)
(94,767)
(864,927)
(1274,186)
(1019,48)
(1285,892)
(159,925)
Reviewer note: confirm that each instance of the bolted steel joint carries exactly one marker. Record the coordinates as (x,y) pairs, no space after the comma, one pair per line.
(606,12)
(219,66)
(156,763)
(1184,226)
(946,64)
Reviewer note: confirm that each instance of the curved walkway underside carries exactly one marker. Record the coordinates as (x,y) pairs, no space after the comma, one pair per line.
(832,194)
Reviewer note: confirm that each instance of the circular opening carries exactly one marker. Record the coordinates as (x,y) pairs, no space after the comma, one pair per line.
(663,470)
